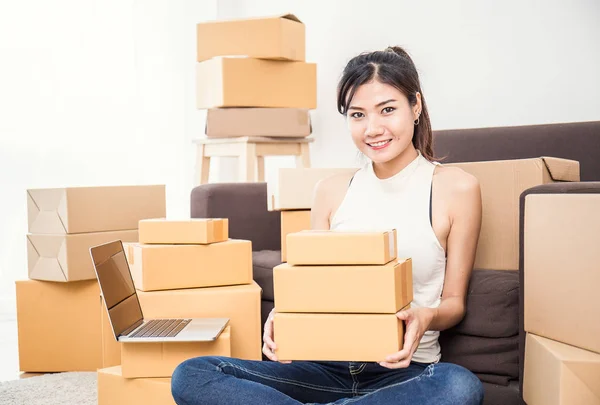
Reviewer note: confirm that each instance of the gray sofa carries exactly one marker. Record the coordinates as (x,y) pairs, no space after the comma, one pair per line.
(490,339)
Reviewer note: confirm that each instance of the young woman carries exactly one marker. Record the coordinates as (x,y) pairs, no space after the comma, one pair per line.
(437,213)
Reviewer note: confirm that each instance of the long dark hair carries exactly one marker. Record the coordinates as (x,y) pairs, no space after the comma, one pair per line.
(395,67)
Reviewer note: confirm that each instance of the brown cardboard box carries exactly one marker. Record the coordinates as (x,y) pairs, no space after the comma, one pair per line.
(160,359)
(169,267)
(66,257)
(337,337)
(241,304)
(111,349)
(258,122)
(292,221)
(561,268)
(93,209)
(58,326)
(558,374)
(189,231)
(114,389)
(502,182)
(248,82)
(293,188)
(276,37)
(314,247)
(382,289)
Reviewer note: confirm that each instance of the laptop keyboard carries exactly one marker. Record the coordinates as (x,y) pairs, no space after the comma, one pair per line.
(161,328)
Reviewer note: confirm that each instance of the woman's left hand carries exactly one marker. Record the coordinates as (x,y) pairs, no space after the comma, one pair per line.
(417,321)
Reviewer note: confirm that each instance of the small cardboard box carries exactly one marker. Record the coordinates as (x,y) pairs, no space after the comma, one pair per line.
(189,231)
(337,337)
(66,257)
(314,247)
(258,122)
(502,183)
(293,188)
(292,221)
(559,374)
(149,359)
(93,209)
(241,304)
(384,289)
(169,267)
(114,389)
(276,37)
(561,269)
(248,82)
(58,326)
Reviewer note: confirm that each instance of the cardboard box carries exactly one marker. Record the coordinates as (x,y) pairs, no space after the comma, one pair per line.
(248,82)
(315,247)
(502,183)
(149,359)
(189,231)
(241,304)
(111,348)
(114,389)
(93,209)
(276,37)
(337,337)
(169,267)
(66,257)
(293,189)
(559,374)
(58,326)
(292,221)
(258,122)
(561,270)
(382,289)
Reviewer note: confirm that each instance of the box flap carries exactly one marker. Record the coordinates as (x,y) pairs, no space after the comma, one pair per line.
(588,373)
(290,17)
(47,258)
(47,210)
(562,169)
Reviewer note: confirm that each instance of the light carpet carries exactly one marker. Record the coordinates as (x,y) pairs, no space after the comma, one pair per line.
(51,389)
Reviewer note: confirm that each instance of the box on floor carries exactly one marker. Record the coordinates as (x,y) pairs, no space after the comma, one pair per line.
(113,389)
(559,374)
(65,316)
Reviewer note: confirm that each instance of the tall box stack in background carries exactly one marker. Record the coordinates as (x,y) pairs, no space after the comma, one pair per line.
(186,269)
(317,314)
(59,325)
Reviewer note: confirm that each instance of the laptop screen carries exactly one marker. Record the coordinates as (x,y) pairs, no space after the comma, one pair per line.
(116,284)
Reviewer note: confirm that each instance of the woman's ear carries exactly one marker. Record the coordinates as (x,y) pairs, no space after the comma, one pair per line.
(418,107)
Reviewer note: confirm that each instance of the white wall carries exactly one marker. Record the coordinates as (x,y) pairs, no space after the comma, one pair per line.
(93,93)
(103,92)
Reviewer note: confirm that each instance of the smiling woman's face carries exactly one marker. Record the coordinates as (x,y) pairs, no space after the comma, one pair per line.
(381,121)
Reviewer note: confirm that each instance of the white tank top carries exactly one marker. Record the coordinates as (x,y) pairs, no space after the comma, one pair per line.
(402,202)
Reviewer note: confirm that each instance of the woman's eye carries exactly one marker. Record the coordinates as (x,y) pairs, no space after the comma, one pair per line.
(356,115)
(388,110)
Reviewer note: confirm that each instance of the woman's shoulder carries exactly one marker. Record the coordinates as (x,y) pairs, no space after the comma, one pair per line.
(454,180)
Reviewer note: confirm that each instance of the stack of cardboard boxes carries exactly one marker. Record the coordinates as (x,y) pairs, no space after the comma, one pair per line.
(58,320)
(253,79)
(318,315)
(184,269)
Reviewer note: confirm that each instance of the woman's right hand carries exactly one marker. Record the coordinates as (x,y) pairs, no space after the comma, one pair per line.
(269,346)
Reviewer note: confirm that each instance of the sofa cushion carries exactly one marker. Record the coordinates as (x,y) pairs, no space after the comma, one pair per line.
(263,262)
(496,358)
(492,305)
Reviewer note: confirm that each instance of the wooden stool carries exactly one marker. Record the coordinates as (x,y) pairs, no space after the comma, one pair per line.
(250,152)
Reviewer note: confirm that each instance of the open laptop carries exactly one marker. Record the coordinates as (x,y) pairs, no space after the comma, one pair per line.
(124,310)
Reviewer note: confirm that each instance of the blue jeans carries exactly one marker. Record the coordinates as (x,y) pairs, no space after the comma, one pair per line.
(215,380)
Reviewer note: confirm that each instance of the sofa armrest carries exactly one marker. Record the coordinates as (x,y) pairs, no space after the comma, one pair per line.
(585,187)
(245,205)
